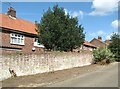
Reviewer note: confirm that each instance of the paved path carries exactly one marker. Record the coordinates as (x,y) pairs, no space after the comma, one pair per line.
(105,77)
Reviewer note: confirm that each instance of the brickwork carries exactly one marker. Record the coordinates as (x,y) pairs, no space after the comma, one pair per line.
(27,48)
(98,43)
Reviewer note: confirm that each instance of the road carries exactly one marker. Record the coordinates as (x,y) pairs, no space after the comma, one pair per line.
(105,77)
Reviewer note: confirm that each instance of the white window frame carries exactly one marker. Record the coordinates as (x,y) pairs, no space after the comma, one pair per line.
(16,39)
(37,43)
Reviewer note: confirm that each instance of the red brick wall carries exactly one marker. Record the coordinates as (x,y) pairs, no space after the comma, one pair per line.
(27,48)
(108,42)
(98,43)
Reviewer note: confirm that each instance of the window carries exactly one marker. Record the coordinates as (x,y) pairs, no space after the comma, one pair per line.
(16,39)
(90,49)
(37,43)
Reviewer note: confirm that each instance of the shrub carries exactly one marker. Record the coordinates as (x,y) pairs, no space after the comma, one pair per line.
(102,55)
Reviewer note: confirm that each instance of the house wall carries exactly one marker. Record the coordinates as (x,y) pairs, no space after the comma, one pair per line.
(88,48)
(27,48)
(98,43)
(28,64)
(108,42)
(84,48)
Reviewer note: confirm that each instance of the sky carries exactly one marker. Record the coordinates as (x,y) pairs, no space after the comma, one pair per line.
(98,17)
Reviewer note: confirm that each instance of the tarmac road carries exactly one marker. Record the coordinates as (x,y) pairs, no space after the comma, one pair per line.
(105,77)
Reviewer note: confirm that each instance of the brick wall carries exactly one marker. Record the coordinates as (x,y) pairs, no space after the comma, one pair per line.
(98,43)
(27,48)
(28,64)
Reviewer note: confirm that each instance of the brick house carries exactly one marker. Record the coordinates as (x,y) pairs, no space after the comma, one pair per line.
(18,35)
(108,42)
(87,46)
(99,43)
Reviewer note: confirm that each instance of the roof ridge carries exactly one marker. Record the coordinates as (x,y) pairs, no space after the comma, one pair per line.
(100,40)
(18,18)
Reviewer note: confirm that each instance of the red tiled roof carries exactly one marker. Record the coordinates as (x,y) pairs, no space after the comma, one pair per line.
(17,24)
(88,44)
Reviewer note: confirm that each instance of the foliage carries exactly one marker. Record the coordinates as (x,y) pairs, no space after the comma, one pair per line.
(101,54)
(59,31)
(115,45)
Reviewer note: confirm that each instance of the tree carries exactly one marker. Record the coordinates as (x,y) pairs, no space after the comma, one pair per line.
(59,31)
(115,45)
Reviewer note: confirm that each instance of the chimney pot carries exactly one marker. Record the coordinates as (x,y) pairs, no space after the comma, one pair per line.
(11,12)
(99,38)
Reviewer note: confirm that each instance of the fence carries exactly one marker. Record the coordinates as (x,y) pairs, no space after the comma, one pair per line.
(28,64)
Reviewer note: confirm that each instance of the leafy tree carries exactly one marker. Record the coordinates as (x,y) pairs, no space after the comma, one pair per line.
(59,31)
(115,45)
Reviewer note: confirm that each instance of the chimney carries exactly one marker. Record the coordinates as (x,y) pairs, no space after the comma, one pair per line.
(11,12)
(99,38)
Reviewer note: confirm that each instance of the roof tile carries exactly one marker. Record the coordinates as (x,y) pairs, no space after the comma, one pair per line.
(17,24)
(89,44)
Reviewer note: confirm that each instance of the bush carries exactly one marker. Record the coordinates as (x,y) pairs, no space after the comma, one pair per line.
(102,55)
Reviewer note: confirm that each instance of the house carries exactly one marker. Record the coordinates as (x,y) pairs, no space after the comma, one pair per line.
(99,43)
(87,46)
(108,42)
(18,35)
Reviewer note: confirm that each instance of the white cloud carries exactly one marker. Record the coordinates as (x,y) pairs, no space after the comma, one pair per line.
(102,34)
(92,34)
(74,13)
(66,11)
(115,24)
(108,37)
(104,7)
(98,33)
(77,14)
(81,14)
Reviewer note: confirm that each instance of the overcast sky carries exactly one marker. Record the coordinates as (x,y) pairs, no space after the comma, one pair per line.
(99,17)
